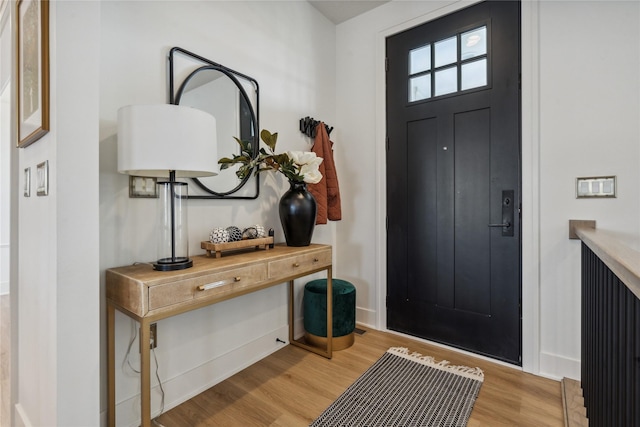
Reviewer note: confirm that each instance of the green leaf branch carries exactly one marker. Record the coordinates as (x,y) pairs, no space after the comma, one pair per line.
(295,166)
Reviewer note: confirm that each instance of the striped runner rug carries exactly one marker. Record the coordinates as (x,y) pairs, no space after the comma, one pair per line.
(403,389)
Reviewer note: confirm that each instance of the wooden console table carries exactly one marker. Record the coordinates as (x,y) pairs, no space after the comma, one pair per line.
(147,296)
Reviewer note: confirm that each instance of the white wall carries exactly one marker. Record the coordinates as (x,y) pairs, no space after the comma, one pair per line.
(289,48)
(58,285)
(583,68)
(5,150)
(589,109)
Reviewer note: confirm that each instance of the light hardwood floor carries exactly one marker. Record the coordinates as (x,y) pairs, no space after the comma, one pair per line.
(5,354)
(292,387)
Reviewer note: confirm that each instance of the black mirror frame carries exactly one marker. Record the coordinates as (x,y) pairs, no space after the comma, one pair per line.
(174,98)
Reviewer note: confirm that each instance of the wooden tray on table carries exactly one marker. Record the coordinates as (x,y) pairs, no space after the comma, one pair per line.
(218,248)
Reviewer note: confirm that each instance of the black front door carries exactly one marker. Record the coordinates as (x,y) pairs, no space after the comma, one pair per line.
(453,180)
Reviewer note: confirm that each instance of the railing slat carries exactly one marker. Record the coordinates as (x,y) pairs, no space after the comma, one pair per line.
(610,346)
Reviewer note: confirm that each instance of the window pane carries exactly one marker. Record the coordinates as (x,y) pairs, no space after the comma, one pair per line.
(446,51)
(420,88)
(420,59)
(474,74)
(473,43)
(446,81)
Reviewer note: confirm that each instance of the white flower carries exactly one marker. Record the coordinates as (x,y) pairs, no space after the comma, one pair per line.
(302,157)
(311,176)
(308,164)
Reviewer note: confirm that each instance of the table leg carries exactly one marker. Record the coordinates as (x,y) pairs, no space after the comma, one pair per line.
(327,351)
(111,366)
(329,312)
(145,373)
(291,300)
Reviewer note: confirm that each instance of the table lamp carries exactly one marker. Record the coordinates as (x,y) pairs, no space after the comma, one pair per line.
(168,141)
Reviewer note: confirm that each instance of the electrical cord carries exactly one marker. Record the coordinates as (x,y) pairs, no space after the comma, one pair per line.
(155,420)
(127,361)
(134,334)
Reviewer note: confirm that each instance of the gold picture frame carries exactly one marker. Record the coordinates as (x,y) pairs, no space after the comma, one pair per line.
(32,75)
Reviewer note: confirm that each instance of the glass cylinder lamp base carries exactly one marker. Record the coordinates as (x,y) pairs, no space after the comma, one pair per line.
(173,242)
(168,264)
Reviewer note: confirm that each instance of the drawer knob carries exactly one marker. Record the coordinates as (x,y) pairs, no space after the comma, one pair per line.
(296,264)
(316,260)
(236,279)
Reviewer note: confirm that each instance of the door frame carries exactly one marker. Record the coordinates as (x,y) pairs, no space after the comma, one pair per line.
(530,140)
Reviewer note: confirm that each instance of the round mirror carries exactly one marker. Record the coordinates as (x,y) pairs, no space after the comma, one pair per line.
(220,92)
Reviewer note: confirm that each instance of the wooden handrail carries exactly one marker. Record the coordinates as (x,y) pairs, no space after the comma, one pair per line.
(623,260)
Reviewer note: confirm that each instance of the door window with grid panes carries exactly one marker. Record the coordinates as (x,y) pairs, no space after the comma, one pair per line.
(451,65)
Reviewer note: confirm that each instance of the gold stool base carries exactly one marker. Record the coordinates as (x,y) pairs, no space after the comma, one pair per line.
(338,343)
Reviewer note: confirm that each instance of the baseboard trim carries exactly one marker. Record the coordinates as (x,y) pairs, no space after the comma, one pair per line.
(557,367)
(189,384)
(365,316)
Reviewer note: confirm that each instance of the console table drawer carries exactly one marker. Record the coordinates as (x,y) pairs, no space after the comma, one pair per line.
(208,286)
(300,264)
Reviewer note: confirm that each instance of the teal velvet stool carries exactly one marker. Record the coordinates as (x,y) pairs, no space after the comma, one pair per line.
(315,313)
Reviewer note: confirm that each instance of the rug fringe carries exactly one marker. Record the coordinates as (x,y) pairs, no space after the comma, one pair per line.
(473,373)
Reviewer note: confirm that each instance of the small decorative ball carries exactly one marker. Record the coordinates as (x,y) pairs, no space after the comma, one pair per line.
(219,235)
(234,233)
(250,233)
(260,231)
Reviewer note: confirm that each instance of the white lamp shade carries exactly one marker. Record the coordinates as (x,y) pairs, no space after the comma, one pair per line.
(156,139)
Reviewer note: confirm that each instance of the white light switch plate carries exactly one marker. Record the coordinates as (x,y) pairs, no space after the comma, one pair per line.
(140,186)
(27,182)
(597,186)
(42,185)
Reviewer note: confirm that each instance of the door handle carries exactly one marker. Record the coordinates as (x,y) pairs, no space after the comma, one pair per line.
(507,213)
(506,224)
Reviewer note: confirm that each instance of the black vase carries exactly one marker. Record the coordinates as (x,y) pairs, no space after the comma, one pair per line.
(297,214)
